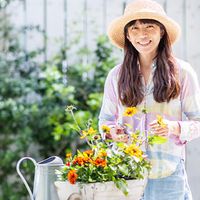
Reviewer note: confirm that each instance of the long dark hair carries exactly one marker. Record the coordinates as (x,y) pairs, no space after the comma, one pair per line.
(165,78)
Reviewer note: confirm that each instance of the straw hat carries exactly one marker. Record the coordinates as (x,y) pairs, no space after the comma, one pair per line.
(142,9)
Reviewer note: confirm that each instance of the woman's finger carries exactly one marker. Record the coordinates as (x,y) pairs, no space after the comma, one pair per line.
(122,138)
(153,123)
(163,134)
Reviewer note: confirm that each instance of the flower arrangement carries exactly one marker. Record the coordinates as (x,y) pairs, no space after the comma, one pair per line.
(103,161)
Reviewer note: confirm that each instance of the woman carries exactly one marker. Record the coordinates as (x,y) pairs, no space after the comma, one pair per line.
(151,78)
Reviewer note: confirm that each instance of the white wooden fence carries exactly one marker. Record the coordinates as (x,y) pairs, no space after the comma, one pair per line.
(62,18)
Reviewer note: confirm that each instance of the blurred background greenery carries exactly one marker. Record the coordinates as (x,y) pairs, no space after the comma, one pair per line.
(52,54)
(33,98)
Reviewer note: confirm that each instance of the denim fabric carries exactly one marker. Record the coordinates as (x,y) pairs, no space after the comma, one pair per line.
(173,187)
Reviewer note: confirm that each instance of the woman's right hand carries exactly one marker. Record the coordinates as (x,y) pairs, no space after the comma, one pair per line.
(118,134)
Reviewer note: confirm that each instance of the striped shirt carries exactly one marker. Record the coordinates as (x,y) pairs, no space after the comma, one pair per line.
(165,157)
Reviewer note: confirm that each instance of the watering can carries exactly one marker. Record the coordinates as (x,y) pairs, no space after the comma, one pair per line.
(43,187)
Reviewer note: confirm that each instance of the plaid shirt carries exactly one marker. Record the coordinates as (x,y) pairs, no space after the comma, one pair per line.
(164,157)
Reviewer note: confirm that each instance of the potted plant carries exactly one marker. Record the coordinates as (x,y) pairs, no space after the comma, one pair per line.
(107,170)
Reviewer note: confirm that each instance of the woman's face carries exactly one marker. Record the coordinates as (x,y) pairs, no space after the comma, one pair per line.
(145,37)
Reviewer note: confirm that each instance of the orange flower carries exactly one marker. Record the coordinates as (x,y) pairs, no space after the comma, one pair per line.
(100,162)
(87,160)
(72,176)
(79,161)
(88,152)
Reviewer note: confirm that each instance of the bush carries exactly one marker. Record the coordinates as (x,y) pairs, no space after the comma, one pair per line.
(32,103)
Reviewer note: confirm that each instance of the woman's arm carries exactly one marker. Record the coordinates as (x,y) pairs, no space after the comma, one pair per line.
(109,110)
(190,99)
(188,129)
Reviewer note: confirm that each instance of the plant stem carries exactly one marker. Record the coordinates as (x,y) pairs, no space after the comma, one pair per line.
(72,113)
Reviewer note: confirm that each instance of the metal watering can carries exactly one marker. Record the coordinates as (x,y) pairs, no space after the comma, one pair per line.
(44,178)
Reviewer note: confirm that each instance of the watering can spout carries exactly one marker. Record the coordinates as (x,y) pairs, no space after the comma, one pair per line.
(43,187)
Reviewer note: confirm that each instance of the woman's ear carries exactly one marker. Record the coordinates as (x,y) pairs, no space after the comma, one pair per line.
(127,36)
(162,32)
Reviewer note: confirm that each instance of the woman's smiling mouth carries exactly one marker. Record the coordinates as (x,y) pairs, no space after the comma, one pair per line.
(144,43)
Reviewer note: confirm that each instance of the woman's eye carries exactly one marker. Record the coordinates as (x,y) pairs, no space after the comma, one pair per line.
(134,27)
(150,26)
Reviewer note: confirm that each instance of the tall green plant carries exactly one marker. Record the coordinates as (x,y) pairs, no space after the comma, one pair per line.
(33,99)
(28,94)
(88,80)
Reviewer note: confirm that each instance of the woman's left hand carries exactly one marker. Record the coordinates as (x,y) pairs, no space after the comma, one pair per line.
(168,127)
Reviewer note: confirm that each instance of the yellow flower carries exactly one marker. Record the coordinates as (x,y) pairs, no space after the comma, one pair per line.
(130,111)
(134,136)
(68,155)
(160,121)
(105,129)
(84,134)
(102,153)
(133,150)
(89,152)
(91,131)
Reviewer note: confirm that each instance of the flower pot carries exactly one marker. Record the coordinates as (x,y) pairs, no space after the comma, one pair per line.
(66,191)
(99,191)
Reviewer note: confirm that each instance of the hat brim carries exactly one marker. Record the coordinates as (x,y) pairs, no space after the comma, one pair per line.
(116,28)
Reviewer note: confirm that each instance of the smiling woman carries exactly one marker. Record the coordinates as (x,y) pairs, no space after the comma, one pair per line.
(145,35)
(152,78)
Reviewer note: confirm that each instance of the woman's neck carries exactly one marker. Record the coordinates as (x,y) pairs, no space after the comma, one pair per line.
(146,66)
(146,61)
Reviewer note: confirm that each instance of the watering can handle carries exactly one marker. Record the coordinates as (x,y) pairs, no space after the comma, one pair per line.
(22,177)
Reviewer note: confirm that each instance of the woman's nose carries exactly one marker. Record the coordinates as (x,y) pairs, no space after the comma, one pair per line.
(143,32)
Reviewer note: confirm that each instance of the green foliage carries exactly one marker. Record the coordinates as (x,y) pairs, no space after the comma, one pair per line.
(4,3)
(88,80)
(32,103)
(156,140)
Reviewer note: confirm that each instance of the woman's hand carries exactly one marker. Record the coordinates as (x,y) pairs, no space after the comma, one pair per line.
(168,127)
(118,134)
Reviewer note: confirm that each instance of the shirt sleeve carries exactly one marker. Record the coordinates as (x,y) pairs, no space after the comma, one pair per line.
(109,110)
(190,99)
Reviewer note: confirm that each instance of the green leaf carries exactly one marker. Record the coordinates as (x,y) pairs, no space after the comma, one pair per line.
(113,168)
(128,125)
(123,169)
(122,185)
(156,139)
